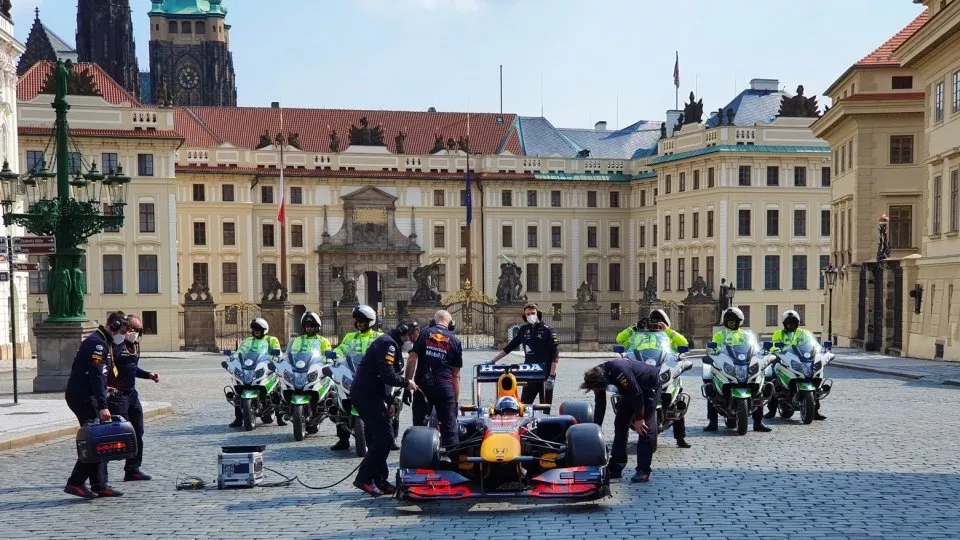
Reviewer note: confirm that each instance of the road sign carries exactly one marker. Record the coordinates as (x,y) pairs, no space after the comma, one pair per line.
(25,267)
(3,245)
(34,245)
(4,276)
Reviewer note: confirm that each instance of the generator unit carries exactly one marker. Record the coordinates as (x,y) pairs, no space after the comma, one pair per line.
(106,441)
(240,466)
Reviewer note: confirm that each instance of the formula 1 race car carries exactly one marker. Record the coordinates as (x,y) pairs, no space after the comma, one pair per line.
(508,449)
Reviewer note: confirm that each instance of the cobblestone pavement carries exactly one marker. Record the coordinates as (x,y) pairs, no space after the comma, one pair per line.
(883,465)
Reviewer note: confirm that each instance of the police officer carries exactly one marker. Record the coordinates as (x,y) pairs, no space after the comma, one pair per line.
(659,318)
(125,401)
(310,337)
(638,386)
(434,364)
(259,333)
(732,334)
(86,395)
(378,372)
(540,346)
(791,334)
(353,347)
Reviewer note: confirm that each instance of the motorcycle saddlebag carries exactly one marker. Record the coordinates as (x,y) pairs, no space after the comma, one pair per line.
(108,441)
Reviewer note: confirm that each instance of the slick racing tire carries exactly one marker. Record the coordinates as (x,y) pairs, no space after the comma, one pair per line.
(585,446)
(582,411)
(743,416)
(247,414)
(420,448)
(359,437)
(297,419)
(807,407)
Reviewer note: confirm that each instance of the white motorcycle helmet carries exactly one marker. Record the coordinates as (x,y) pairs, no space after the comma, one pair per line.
(732,312)
(260,324)
(311,317)
(659,315)
(788,314)
(365,313)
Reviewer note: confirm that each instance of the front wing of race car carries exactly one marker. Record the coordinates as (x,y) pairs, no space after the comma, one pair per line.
(561,483)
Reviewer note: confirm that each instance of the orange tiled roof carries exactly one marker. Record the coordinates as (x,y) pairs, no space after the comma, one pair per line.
(292,172)
(242,126)
(884,54)
(29,85)
(126,133)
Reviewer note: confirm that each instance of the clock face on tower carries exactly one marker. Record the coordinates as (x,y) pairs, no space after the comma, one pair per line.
(188,78)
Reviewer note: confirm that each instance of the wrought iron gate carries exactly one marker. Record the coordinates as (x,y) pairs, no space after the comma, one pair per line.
(232,324)
(897,306)
(472,312)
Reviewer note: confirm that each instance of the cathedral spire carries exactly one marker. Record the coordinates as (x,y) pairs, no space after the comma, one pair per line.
(105,37)
(38,46)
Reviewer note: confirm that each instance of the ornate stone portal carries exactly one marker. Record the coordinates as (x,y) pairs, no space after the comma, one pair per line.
(369,241)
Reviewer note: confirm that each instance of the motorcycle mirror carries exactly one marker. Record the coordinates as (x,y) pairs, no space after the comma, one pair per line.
(711,344)
(272,367)
(779,345)
(223,364)
(327,372)
(767,345)
(682,349)
(707,360)
(619,349)
(331,355)
(828,345)
(275,352)
(227,352)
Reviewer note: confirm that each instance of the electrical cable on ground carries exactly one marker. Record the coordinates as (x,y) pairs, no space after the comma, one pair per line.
(189,482)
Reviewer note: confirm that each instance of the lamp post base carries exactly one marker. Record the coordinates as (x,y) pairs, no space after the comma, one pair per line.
(57,344)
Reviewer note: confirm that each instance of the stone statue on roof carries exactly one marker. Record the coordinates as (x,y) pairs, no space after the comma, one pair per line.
(680,123)
(463,143)
(730,115)
(693,111)
(293,139)
(451,144)
(264,140)
(799,106)
(437,144)
(364,135)
(720,116)
(399,140)
(663,130)
(334,141)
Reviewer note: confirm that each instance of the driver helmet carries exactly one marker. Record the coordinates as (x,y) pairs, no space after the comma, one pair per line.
(259,326)
(312,320)
(659,316)
(791,318)
(364,314)
(732,314)
(507,405)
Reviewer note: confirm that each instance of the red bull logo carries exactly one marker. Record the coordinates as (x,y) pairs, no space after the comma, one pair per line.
(111,447)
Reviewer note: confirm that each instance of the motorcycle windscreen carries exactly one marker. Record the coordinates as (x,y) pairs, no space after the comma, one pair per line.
(742,353)
(301,360)
(807,351)
(250,359)
(651,348)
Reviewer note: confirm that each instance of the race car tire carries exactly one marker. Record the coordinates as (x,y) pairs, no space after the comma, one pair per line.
(585,446)
(420,448)
(581,410)
(554,428)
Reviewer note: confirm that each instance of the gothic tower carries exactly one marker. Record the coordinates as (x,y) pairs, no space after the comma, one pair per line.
(190,58)
(105,37)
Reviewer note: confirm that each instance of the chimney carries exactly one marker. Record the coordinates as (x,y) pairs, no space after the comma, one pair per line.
(673,116)
(600,126)
(768,85)
(274,104)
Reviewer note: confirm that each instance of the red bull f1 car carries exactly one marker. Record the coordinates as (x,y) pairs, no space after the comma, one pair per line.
(507,449)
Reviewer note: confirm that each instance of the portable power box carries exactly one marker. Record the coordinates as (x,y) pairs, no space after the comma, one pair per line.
(240,466)
(106,441)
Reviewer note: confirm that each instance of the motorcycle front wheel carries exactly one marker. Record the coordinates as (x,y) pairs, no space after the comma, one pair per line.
(248,414)
(743,415)
(806,407)
(297,419)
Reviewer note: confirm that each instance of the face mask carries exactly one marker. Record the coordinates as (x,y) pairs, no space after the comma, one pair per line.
(407,346)
(118,339)
(533,319)
(133,337)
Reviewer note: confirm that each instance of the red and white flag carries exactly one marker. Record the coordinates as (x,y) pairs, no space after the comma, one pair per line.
(281,211)
(676,71)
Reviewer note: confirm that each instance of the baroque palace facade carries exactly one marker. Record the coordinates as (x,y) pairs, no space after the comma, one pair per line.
(894,132)
(372,195)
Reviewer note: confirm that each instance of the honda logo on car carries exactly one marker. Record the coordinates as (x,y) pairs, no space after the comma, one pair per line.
(522,368)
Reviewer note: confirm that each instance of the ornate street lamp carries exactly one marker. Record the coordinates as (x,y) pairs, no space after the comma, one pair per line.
(70,217)
(830,279)
(883,240)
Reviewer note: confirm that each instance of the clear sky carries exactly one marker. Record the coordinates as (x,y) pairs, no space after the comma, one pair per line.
(585,55)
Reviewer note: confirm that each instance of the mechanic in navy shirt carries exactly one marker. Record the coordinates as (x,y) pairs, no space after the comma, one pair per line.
(86,395)
(379,372)
(638,386)
(125,401)
(540,346)
(434,364)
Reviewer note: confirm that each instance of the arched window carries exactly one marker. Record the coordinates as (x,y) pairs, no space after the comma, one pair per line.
(200,28)
(172,25)
(186,27)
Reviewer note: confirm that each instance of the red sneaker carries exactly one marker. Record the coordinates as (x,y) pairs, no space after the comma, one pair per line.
(387,488)
(107,491)
(79,491)
(369,489)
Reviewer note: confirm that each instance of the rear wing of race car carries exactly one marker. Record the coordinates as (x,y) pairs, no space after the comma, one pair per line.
(486,373)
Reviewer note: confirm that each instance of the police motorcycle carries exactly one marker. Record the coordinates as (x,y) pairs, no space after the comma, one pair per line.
(304,391)
(255,388)
(734,380)
(798,381)
(673,403)
(341,371)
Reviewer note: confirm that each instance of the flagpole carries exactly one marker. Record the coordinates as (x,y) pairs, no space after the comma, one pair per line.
(282,211)
(469,201)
